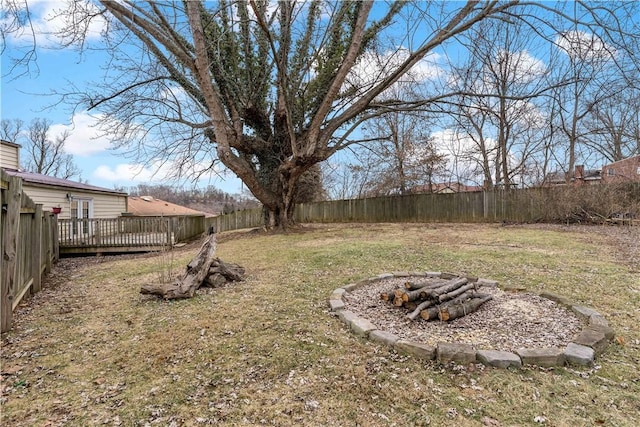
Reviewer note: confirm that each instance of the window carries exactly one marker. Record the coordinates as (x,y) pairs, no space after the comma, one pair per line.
(610,172)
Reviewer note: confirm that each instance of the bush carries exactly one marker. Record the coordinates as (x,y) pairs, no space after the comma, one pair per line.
(590,203)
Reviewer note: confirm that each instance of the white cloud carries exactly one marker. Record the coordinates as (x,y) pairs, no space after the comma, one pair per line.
(84,137)
(462,153)
(49,20)
(128,172)
(157,172)
(373,68)
(584,46)
(524,68)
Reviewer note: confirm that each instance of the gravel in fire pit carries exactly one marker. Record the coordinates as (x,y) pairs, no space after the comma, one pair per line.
(511,320)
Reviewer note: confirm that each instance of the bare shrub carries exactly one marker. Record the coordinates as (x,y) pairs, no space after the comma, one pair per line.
(590,203)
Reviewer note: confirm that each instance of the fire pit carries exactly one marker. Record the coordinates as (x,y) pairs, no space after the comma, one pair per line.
(464,319)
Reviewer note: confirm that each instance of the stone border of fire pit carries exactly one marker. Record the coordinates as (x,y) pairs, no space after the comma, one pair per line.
(581,351)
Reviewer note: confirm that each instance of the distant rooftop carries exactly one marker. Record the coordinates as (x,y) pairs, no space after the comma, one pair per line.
(150,206)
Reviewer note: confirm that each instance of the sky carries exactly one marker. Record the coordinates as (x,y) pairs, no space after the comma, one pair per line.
(26,95)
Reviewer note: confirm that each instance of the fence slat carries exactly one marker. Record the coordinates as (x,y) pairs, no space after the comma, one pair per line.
(13,199)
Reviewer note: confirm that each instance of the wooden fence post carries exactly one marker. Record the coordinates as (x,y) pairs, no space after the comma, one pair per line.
(9,251)
(36,267)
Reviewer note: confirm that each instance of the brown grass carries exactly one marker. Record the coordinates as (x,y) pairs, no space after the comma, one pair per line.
(91,350)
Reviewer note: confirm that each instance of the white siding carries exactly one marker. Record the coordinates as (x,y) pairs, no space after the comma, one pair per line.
(9,157)
(104,205)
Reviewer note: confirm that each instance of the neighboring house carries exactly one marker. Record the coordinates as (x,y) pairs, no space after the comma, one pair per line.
(69,199)
(446,188)
(626,170)
(150,206)
(581,176)
(184,223)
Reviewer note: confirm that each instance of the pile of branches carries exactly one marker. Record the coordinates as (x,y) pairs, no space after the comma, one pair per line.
(590,204)
(438,299)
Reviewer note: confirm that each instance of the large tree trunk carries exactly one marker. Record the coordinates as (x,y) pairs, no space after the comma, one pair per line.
(195,274)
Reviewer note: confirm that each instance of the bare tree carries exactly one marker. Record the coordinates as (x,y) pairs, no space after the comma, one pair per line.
(271,90)
(405,158)
(10,129)
(613,125)
(496,107)
(42,152)
(589,64)
(347,179)
(265,86)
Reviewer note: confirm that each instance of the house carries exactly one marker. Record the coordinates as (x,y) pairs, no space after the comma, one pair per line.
(69,199)
(580,176)
(151,206)
(626,170)
(446,188)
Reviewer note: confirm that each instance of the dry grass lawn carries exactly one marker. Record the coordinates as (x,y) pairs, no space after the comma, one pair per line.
(91,350)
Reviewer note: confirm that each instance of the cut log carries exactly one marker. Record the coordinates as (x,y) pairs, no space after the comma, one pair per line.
(416,311)
(391,294)
(411,295)
(196,272)
(430,313)
(412,286)
(449,286)
(455,311)
(461,290)
(410,305)
(387,296)
(427,312)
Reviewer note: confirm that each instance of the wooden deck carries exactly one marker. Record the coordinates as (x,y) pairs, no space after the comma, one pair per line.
(118,235)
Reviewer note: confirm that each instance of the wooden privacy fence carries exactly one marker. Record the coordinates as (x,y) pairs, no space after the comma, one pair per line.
(249,218)
(29,247)
(480,206)
(525,205)
(127,233)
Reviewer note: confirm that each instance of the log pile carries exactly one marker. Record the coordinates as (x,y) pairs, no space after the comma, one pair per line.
(203,270)
(437,299)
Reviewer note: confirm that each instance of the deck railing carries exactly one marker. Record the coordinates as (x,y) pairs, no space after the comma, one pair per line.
(127,233)
(123,232)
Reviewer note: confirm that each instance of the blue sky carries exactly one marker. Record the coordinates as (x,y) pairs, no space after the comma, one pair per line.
(24,96)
